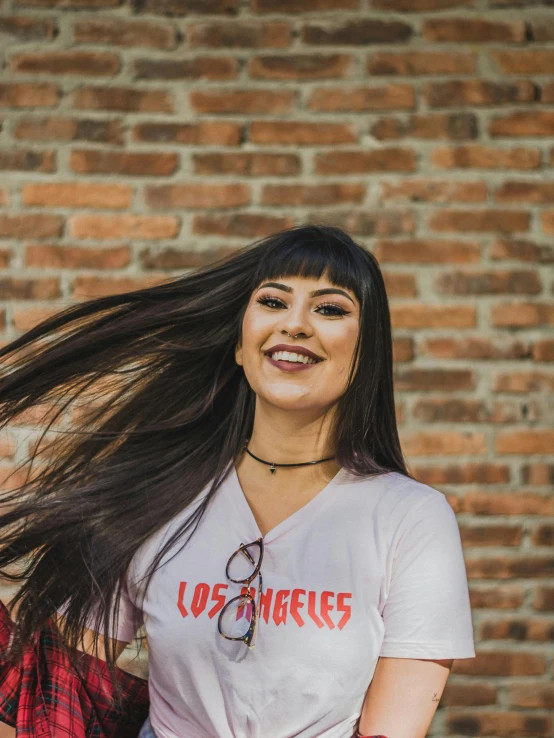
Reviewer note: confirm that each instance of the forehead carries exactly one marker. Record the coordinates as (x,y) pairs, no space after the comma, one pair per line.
(313,285)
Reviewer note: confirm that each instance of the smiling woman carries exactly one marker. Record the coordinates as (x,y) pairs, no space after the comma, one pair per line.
(238,489)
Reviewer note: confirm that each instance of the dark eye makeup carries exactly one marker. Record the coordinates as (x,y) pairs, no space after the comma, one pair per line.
(266,299)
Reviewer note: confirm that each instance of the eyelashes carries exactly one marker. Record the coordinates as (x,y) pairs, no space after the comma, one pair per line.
(266,299)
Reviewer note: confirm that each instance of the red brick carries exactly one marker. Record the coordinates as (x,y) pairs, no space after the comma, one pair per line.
(547,221)
(546,92)
(251,164)
(90,287)
(360,99)
(474,347)
(521,315)
(112,227)
(416,6)
(243,102)
(197,195)
(543,350)
(520,191)
(5,261)
(359,32)
(445,443)
(535,694)
(33,288)
(473,30)
(457,126)
(523,382)
(361,161)
(416,315)
(302,6)
(400,285)
(69,129)
(523,123)
(379,222)
(94,161)
(544,598)
(476,92)
(305,194)
(300,133)
(203,133)
(172,258)
(77,195)
(300,66)
(240,225)
(525,441)
(239,35)
(474,156)
(118,32)
(125,99)
(28,95)
(421,380)
(4,197)
(25,160)
(471,473)
(421,62)
(484,221)
(514,503)
(522,250)
(200,67)
(429,190)
(420,251)
(70,4)
(23,28)
(186,7)
(402,349)
(537,473)
(77,257)
(81,63)
(26,318)
(494,534)
(467,695)
(483,282)
(30,225)
(505,722)
(524,62)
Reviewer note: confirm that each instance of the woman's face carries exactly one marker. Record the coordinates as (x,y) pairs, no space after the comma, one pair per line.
(325,324)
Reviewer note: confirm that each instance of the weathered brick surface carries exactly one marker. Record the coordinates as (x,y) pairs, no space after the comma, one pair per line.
(142,138)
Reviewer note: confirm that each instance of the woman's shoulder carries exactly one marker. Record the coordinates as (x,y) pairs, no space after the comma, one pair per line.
(392,495)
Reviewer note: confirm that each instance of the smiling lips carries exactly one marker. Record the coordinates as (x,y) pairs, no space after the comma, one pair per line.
(290,364)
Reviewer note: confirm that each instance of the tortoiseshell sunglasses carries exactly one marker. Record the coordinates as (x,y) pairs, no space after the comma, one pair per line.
(240,614)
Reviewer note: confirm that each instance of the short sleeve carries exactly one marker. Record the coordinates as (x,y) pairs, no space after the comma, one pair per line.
(128,622)
(427,612)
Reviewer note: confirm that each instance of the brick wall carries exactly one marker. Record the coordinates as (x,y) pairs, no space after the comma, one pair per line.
(141,139)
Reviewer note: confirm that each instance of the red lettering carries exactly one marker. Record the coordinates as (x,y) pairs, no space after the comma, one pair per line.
(295,605)
(311,610)
(326,607)
(218,598)
(280,608)
(341,607)
(265,604)
(200,598)
(180,599)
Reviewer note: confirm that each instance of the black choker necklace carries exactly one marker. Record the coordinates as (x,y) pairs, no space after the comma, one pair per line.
(272,466)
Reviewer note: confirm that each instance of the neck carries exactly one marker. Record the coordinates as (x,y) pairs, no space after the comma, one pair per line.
(286,437)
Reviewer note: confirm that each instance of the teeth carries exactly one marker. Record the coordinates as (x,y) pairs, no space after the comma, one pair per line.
(289,356)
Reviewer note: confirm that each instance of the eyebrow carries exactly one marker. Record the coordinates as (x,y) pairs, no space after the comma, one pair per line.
(314,293)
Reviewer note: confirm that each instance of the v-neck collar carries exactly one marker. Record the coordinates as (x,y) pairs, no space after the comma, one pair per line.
(292,520)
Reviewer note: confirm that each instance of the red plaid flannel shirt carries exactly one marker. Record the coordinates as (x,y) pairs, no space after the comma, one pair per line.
(44,697)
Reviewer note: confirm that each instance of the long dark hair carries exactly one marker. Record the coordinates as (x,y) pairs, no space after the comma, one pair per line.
(170,410)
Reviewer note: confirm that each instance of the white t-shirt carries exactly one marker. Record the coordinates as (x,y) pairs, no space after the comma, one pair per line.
(369,567)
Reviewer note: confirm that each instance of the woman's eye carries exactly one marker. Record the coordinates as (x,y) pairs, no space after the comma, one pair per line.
(336,309)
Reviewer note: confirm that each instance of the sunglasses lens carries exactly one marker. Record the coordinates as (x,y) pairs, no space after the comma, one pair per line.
(243,563)
(237,617)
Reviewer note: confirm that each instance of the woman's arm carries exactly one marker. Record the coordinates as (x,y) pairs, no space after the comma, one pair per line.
(403,696)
